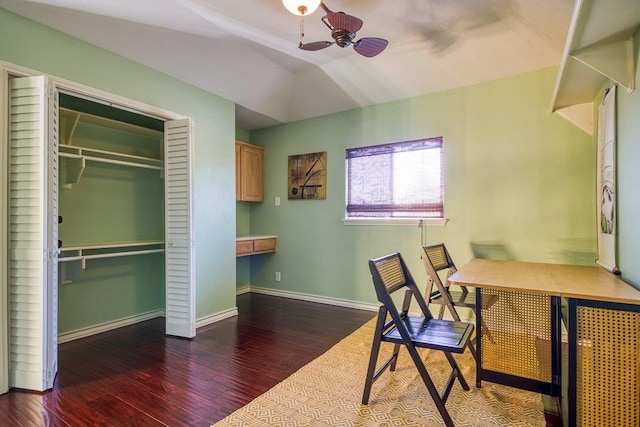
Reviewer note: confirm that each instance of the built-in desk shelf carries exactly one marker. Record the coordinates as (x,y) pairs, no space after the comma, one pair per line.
(253,245)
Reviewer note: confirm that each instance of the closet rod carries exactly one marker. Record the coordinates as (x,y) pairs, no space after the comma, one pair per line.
(109,255)
(70,258)
(84,258)
(111,153)
(113,245)
(116,162)
(122,162)
(119,254)
(70,155)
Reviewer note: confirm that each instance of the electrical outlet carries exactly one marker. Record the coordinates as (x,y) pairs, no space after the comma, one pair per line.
(277,201)
(278,277)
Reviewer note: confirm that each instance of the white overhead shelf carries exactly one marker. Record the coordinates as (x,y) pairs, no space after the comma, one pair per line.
(602,44)
(71,119)
(74,157)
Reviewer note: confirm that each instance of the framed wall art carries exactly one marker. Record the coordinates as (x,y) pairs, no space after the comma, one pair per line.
(307,176)
(606,190)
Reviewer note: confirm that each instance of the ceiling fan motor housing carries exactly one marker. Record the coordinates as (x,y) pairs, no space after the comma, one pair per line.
(343,38)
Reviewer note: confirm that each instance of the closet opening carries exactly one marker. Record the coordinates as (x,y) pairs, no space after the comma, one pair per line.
(99,211)
(111,210)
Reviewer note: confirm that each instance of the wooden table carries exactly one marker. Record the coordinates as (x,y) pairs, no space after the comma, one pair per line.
(595,369)
(569,281)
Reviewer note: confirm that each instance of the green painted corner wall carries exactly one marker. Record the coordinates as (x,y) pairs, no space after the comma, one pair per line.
(110,203)
(628,153)
(514,174)
(34,46)
(243,135)
(108,290)
(243,226)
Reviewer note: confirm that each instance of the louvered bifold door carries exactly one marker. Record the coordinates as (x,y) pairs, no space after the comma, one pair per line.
(179,256)
(4,244)
(32,233)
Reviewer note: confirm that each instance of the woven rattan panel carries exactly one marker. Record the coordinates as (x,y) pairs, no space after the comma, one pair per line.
(391,273)
(608,371)
(437,257)
(516,336)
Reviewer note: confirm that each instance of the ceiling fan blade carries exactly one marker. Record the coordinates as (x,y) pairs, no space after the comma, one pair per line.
(314,45)
(370,46)
(342,21)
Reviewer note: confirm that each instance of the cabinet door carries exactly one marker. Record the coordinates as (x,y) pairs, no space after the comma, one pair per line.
(244,247)
(264,245)
(250,173)
(238,173)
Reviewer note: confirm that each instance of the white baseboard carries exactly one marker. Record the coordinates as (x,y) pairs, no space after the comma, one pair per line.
(243,289)
(207,320)
(315,298)
(108,326)
(213,318)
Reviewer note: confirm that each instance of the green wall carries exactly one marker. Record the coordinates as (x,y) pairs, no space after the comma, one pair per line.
(243,226)
(28,44)
(628,151)
(514,173)
(110,203)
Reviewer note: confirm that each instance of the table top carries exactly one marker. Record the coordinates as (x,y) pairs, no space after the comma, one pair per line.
(244,237)
(569,281)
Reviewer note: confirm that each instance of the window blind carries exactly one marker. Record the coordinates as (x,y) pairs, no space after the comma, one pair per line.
(396,180)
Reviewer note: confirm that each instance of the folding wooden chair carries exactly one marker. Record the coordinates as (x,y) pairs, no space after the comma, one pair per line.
(390,274)
(436,258)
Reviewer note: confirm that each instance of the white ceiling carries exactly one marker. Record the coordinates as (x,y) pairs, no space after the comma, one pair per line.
(246,50)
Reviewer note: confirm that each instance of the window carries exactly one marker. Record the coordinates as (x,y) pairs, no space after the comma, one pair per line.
(396,180)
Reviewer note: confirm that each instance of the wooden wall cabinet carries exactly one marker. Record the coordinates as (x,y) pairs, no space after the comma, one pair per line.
(249,173)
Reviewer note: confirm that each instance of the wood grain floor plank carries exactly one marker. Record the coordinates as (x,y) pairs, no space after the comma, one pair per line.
(137,375)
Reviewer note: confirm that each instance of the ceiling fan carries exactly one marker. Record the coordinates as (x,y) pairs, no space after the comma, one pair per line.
(343,31)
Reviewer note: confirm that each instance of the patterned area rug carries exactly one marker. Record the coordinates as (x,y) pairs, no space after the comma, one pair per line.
(328,392)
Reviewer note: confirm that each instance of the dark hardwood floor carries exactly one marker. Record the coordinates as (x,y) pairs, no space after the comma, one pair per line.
(137,376)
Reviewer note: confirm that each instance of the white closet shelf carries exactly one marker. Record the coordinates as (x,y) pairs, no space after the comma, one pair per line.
(76,158)
(109,250)
(74,151)
(72,118)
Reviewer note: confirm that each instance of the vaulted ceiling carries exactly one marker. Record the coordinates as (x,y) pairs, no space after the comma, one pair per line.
(247,50)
